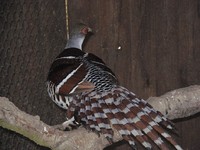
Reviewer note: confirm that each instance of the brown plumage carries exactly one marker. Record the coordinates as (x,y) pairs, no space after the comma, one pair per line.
(82,83)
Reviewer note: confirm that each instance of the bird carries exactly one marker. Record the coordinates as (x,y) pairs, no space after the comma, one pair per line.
(83,85)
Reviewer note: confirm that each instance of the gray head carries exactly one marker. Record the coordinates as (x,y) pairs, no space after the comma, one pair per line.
(77,36)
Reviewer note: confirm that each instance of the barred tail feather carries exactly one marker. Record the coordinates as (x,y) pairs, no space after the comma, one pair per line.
(131,117)
(94,118)
(147,108)
(146,121)
(120,120)
(102,120)
(87,115)
(135,118)
(148,118)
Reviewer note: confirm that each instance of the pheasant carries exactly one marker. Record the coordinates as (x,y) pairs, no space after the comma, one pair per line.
(81,83)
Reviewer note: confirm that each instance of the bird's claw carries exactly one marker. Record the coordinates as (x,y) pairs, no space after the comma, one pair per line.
(68,125)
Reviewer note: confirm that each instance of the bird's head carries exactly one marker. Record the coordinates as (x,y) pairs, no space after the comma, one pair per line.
(81,29)
(78,35)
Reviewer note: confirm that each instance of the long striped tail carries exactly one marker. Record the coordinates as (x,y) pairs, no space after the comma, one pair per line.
(133,118)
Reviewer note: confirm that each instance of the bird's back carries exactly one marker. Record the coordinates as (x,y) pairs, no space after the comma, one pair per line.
(74,71)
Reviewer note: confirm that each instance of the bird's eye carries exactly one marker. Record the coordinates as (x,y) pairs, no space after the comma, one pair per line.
(84,30)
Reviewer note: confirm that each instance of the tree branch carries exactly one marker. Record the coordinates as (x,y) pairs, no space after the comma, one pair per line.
(175,104)
(178,103)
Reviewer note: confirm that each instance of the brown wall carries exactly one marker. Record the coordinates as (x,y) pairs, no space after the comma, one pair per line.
(160,51)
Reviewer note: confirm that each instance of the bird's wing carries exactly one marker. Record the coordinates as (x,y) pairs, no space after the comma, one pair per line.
(99,63)
(68,73)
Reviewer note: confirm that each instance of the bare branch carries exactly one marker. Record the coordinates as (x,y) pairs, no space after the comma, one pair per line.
(175,104)
(179,103)
(33,128)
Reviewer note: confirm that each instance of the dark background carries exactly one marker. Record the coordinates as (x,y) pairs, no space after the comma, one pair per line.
(160,51)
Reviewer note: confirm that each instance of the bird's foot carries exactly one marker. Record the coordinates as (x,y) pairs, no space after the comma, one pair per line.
(68,125)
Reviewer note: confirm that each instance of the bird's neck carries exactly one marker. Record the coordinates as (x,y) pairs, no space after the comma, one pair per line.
(75,41)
